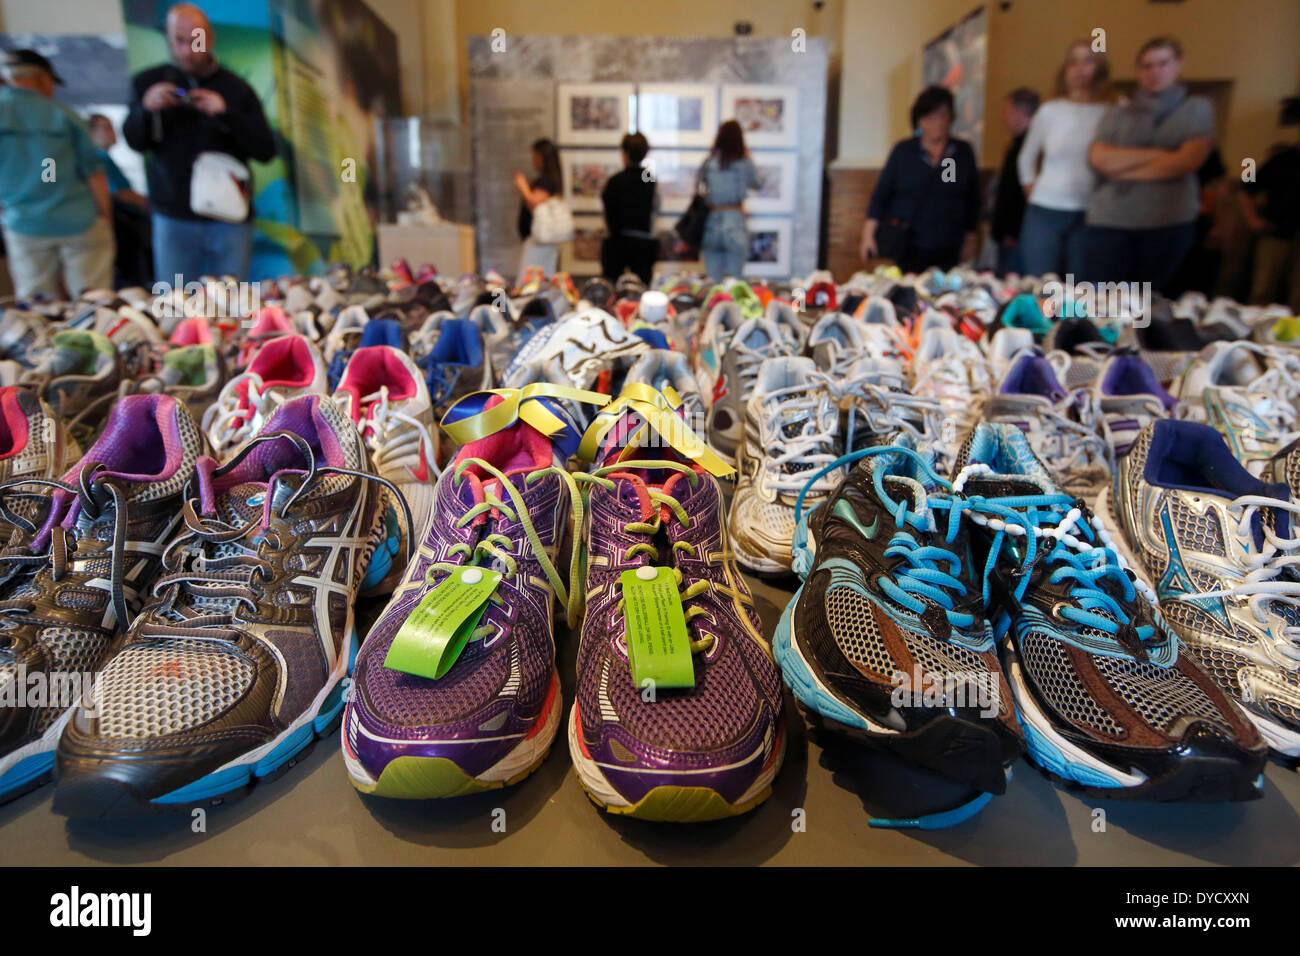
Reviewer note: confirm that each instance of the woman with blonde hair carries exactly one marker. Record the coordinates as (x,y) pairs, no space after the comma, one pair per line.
(1051,238)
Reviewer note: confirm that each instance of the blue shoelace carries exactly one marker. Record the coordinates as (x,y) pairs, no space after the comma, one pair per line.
(1087,570)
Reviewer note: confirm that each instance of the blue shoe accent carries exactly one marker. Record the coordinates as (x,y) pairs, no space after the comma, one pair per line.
(935,821)
(25,771)
(208,787)
(381,562)
(223,781)
(287,749)
(800,678)
(1047,755)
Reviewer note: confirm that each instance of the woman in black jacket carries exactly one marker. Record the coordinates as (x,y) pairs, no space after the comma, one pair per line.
(631,203)
(926,205)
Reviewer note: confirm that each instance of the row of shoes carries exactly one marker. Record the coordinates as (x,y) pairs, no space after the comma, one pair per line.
(203,557)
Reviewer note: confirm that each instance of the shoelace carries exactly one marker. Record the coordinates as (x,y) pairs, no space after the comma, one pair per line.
(813,446)
(924,570)
(1051,527)
(658,500)
(235,415)
(63,542)
(1081,445)
(231,577)
(440,378)
(391,435)
(1274,569)
(1276,393)
(499,547)
(885,405)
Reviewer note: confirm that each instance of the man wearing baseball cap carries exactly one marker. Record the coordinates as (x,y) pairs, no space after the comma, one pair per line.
(57,213)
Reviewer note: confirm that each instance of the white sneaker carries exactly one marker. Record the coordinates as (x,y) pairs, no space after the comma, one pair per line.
(1007,344)
(283,368)
(1128,397)
(384,393)
(1248,392)
(1062,427)
(792,426)
(949,369)
(755,341)
(723,321)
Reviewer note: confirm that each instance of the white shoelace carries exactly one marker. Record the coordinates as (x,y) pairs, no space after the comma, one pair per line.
(219,420)
(1266,565)
(391,435)
(1080,443)
(814,446)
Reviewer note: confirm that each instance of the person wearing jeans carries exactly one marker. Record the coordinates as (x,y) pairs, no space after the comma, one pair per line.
(179,110)
(1142,218)
(57,211)
(1053,165)
(729,173)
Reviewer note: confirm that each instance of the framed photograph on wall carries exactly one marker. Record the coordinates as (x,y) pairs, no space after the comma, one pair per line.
(677,114)
(588,234)
(778,171)
(585,173)
(768,114)
(674,172)
(769,247)
(593,114)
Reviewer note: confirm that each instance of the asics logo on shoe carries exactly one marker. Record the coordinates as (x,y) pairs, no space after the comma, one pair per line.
(1177,584)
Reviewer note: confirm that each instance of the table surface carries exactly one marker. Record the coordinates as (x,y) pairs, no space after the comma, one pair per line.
(313,816)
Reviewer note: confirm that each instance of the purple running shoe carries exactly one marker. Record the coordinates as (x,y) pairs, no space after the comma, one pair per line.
(489,720)
(700,753)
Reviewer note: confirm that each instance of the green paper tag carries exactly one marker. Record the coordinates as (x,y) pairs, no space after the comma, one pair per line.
(431,639)
(658,647)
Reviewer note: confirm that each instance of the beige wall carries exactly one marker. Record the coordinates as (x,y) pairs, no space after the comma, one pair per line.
(73,17)
(881,72)
(1255,45)
(656,18)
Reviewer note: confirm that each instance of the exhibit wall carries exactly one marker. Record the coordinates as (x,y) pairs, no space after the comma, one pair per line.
(586,92)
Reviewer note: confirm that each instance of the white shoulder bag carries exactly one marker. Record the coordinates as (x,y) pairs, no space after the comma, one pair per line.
(220,187)
(552,222)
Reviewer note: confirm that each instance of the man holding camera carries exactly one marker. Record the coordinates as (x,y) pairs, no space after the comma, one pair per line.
(192,116)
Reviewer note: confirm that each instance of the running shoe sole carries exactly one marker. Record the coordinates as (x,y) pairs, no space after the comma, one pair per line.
(671,803)
(1282,741)
(413,777)
(1205,778)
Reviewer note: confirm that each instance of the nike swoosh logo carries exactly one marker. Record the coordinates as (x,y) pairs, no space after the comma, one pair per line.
(844,510)
(421,473)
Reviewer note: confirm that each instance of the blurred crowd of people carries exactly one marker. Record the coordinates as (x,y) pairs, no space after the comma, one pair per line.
(1134,190)
(71,220)
(1095,186)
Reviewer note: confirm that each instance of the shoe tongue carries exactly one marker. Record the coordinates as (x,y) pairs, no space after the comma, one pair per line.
(1005,486)
(245,503)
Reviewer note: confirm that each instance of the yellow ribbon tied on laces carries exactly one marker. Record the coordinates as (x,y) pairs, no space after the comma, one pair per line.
(470,419)
(660,412)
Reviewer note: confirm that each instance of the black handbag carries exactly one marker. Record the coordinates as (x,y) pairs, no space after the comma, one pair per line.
(690,227)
